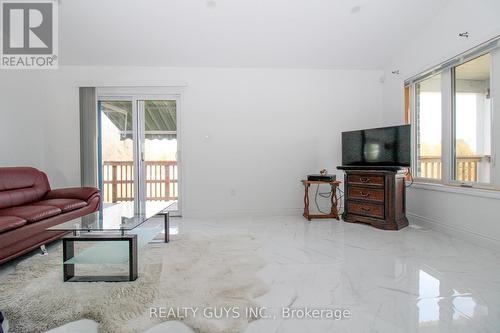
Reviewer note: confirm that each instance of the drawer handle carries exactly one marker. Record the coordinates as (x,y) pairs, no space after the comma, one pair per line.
(365,180)
(364,194)
(366,209)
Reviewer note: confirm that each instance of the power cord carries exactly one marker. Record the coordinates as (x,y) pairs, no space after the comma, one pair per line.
(323,195)
(340,206)
(327,195)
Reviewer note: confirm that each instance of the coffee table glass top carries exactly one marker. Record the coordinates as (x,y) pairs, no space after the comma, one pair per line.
(117,217)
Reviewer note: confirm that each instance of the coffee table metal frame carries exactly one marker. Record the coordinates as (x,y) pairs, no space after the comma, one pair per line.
(69,252)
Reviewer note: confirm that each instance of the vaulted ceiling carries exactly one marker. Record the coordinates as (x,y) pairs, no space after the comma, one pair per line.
(339,34)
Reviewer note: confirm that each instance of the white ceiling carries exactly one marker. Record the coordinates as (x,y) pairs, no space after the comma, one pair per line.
(240,33)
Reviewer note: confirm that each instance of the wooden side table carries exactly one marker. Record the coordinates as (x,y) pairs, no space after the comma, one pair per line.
(334,214)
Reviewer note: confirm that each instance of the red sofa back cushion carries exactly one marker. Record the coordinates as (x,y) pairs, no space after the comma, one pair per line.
(22,185)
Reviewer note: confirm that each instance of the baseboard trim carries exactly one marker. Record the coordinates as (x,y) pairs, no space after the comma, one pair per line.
(473,237)
(218,213)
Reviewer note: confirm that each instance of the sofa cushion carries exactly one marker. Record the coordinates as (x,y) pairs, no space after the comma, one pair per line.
(22,186)
(10,222)
(31,213)
(66,205)
(80,193)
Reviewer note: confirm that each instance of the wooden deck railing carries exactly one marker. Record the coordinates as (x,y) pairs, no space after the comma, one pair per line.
(467,167)
(161,181)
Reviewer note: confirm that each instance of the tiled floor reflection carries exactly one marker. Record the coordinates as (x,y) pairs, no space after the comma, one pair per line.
(412,280)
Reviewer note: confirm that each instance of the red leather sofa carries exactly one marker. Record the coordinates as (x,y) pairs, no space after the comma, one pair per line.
(28,207)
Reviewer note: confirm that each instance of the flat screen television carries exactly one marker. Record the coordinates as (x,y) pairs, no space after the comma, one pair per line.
(382,147)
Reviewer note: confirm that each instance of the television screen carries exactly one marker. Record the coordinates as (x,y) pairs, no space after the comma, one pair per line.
(388,146)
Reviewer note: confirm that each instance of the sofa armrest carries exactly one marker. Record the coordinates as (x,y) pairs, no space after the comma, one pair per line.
(81,193)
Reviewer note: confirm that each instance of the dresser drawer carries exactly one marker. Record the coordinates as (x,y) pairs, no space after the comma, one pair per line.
(366,193)
(366,209)
(366,179)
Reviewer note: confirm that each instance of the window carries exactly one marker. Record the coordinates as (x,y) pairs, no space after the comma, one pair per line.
(428,127)
(472,125)
(455,124)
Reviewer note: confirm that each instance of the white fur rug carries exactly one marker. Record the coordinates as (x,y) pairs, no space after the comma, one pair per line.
(191,271)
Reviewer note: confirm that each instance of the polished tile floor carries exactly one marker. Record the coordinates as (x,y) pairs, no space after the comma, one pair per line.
(412,280)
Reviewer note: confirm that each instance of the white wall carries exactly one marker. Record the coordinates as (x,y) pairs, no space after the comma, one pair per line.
(21,126)
(266,128)
(433,44)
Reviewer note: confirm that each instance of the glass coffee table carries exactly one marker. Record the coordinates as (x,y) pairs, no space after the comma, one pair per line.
(110,228)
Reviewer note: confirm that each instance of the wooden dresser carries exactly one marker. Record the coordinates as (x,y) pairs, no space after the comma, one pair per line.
(376,197)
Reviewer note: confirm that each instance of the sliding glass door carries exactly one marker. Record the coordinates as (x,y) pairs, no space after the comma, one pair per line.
(158,148)
(138,149)
(117,150)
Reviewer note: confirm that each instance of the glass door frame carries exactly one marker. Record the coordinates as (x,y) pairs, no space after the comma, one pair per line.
(140,145)
(138,137)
